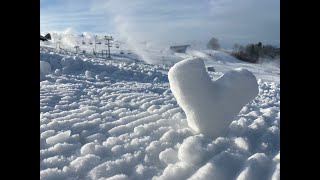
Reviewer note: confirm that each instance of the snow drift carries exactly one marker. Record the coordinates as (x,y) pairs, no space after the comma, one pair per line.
(210,106)
(118,119)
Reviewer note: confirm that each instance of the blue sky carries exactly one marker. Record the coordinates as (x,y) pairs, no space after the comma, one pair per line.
(230,21)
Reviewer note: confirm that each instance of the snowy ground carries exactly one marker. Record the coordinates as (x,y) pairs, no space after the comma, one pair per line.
(118,119)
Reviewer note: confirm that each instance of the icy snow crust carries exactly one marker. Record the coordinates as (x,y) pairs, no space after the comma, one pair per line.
(117,119)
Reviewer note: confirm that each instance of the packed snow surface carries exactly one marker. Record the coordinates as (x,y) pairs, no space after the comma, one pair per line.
(210,106)
(118,119)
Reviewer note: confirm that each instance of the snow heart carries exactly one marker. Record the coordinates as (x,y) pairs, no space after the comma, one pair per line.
(210,106)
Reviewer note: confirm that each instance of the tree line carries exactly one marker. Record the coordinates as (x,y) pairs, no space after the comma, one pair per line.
(250,52)
(253,52)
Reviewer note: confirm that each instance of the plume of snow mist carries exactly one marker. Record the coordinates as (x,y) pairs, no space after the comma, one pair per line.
(66,38)
(269,62)
(197,53)
(122,25)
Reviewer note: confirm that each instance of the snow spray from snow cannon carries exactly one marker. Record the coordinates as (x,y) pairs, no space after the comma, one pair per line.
(210,106)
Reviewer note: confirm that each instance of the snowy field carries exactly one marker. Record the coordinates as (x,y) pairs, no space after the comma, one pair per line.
(118,119)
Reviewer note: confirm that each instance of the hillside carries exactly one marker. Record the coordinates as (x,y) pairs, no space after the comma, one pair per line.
(118,119)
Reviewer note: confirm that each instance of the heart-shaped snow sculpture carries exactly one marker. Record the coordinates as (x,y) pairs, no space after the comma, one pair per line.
(210,106)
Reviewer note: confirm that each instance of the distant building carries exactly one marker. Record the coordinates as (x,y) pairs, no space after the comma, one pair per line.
(210,68)
(179,49)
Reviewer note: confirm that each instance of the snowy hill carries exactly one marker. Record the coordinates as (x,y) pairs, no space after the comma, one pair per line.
(152,53)
(118,119)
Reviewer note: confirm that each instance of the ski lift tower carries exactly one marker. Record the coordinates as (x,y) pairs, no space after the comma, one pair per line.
(77,49)
(108,39)
(57,44)
(95,42)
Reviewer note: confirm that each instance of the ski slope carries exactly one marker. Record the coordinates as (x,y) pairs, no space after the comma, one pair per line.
(118,119)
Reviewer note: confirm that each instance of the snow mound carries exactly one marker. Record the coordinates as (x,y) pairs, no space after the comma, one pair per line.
(45,67)
(59,138)
(168,156)
(210,106)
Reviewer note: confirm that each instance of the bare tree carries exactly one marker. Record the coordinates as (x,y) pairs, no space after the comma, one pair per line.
(213,44)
